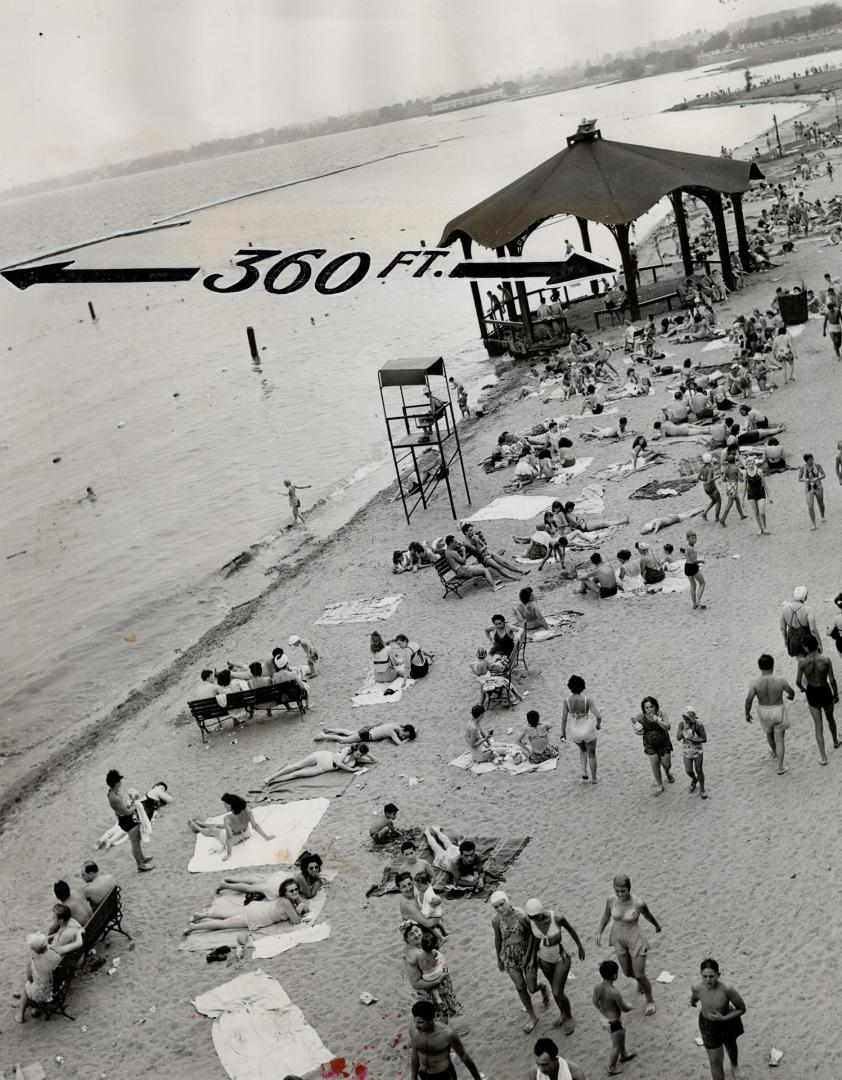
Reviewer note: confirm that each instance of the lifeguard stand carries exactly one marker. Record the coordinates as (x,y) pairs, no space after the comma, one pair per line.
(424,428)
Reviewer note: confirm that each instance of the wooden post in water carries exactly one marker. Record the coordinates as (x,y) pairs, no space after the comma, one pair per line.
(252,343)
(93,313)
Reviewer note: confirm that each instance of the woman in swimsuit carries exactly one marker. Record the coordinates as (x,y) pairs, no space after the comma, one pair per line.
(528,615)
(289,907)
(588,523)
(235,827)
(398,733)
(756,494)
(653,725)
(426,970)
(478,739)
(692,736)
(556,543)
(731,476)
(387,665)
(502,636)
(416,661)
(38,986)
(692,571)
(309,880)
(811,475)
(546,951)
(535,740)
(323,761)
(707,476)
(581,715)
(720,1018)
(512,931)
(629,943)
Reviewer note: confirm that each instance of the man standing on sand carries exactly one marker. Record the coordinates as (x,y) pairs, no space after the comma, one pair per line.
(432,1046)
(294,501)
(821,691)
(769,689)
(549,1066)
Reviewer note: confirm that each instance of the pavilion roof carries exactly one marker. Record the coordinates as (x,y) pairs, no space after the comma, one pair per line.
(595,178)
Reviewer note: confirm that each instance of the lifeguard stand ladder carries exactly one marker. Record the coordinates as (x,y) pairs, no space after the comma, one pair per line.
(415,429)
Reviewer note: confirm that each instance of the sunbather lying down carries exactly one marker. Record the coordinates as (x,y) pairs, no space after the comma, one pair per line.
(289,907)
(322,761)
(398,733)
(656,524)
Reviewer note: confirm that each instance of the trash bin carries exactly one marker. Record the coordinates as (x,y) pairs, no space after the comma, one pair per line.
(793,308)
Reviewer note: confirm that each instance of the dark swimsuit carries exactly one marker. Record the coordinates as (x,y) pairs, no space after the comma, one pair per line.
(755,488)
(606,591)
(820,697)
(691,569)
(504,645)
(716,1033)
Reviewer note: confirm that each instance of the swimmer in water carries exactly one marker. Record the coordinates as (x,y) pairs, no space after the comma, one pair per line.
(294,501)
(89,496)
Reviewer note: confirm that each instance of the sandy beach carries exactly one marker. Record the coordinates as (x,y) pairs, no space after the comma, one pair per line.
(747,877)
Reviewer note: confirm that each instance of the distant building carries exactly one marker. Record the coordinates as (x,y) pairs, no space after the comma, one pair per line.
(463,100)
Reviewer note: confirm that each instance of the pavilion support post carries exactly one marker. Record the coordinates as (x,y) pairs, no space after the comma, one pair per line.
(523,304)
(621,234)
(511,310)
(740,225)
(677,200)
(586,244)
(714,202)
(483,328)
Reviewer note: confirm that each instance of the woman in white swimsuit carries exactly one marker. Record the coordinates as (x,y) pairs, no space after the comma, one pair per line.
(322,761)
(235,827)
(289,907)
(629,943)
(581,715)
(546,951)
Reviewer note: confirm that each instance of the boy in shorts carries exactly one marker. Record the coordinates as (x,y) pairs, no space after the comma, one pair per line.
(609,1001)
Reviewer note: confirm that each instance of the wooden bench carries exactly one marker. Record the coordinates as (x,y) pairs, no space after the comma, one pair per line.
(107,916)
(265,698)
(666,298)
(452,583)
(612,311)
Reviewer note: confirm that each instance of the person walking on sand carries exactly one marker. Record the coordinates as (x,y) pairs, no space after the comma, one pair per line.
(707,478)
(546,952)
(549,1066)
(433,1043)
(125,810)
(653,725)
(692,571)
(815,679)
(798,620)
(692,736)
(769,689)
(609,1003)
(783,352)
(720,1019)
(512,931)
(623,911)
(833,325)
(581,715)
(756,495)
(732,474)
(294,501)
(811,475)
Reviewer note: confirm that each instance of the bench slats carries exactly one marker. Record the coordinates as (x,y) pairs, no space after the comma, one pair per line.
(263,697)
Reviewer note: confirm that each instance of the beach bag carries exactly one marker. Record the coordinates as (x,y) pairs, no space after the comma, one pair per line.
(652,575)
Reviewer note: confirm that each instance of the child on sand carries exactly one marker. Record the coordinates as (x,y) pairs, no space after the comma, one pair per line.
(383,827)
(609,1001)
(692,736)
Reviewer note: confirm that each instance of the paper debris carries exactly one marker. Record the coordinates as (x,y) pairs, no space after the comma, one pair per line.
(665,977)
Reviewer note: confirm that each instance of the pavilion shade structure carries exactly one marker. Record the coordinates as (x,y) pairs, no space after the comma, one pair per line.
(612,183)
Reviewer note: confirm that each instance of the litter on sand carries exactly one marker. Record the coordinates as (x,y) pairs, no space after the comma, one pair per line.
(665,977)
(775,1057)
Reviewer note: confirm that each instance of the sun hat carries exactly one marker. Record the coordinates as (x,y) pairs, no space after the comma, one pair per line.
(294,640)
(533,907)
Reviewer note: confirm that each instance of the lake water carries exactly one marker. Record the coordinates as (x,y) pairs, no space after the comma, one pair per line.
(159,407)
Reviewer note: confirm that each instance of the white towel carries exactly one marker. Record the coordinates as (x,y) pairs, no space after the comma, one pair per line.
(374,693)
(564,475)
(514,508)
(290,823)
(258,1033)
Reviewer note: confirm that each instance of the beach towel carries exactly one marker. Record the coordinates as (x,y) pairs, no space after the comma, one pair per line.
(509,765)
(674,582)
(328,785)
(374,693)
(622,469)
(290,824)
(564,476)
(371,609)
(719,344)
(663,489)
(513,508)
(271,940)
(258,1034)
(497,853)
(559,623)
(563,421)
(590,500)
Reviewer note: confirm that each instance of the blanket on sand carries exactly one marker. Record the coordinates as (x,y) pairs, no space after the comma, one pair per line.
(513,508)
(258,1034)
(513,763)
(374,693)
(330,785)
(497,854)
(289,824)
(370,609)
(663,489)
(271,940)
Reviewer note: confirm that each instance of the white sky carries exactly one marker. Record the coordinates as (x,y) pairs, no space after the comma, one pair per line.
(92,81)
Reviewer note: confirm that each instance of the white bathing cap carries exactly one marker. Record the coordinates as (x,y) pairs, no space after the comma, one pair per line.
(533,907)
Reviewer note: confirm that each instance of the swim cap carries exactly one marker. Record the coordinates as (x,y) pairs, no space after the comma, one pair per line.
(800,593)
(706,458)
(294,640)
(533,907)
(498,898)
(36,942)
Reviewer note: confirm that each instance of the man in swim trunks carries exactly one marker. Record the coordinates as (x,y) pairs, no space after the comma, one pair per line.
(457,561)
(602,582)
(549,1066)
(821,691)
(432,1046)
(769,689)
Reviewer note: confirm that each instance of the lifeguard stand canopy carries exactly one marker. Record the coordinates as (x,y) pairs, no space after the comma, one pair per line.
(421,424)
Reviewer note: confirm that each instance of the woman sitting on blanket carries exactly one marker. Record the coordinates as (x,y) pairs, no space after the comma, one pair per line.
(289,907)
(589,523)
(528,615)
(309,880)
(629,576)
(478,739)
(535,740)
(388,663)
(323,761)
(555,543)
(235,827)
(398,733)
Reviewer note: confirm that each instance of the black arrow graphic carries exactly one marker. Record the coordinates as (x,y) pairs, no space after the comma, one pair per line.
(555,273)
(58,274)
